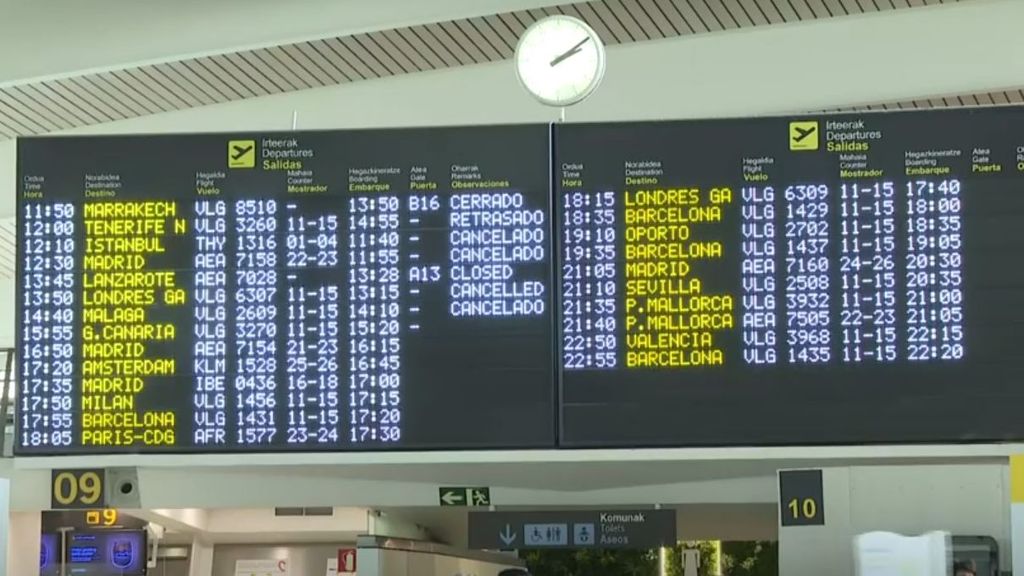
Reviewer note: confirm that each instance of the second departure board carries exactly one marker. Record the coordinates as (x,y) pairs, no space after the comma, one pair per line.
(832,279)
(286,291)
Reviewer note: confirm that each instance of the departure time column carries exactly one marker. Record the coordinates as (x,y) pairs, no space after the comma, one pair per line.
(589,277)
(48,319)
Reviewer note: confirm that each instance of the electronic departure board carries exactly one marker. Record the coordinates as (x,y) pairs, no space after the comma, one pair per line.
(286,291)
(828,279)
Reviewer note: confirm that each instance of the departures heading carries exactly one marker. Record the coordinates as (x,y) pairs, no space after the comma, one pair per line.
(828,279)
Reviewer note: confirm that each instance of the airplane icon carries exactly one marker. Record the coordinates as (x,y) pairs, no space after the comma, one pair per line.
(241,153)
(803,135)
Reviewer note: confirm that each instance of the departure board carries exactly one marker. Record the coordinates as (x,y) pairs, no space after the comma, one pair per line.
(286,291)
(824,279)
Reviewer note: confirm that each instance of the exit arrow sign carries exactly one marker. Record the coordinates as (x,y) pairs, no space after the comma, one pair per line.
(464,496)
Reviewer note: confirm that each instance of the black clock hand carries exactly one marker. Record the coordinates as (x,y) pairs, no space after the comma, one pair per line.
(558,59)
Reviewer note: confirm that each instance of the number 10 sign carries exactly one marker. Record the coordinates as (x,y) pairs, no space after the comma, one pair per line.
(801,498)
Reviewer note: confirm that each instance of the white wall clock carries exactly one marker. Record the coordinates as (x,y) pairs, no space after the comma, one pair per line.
(560,60)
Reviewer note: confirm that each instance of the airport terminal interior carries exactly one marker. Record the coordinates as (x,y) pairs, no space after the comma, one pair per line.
(512,288)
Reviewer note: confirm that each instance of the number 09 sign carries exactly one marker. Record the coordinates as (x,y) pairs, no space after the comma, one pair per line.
(76,489)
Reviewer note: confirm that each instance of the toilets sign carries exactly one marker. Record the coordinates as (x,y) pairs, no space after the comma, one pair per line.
(572,529)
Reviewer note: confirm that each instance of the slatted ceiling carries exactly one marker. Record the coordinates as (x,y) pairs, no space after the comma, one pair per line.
(612,23)
(724,16)
(32,109)
(263,64)
(76,95)
(403,53)
(754,13)
(514,25)
(13,120)
(321,65)
(509,35)
(203,81)
(431,48)
(232,77)
(300,71)
(389,60)
(50,103)
(40,107)
(639,18)
(23,115)
(585,12)
(495,37)
(409,55)
(352,59)
(367,65)
(770,12)
(835,7)
(132,92)
(667,27)
(819,8)
(202,71)
(335,52)
(47,104)
(292,74)
(478,42)
(8,238)
(704,14)
(631,25)
(161,97)
(748,11)
(180,94)
(803,11)
(442,36)
(249,75)
(85,91)
(15,100)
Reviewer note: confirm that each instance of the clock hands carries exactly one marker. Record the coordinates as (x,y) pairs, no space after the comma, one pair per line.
(575,49)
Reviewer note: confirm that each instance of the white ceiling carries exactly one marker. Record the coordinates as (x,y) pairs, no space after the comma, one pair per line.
(186,57)
(41,38)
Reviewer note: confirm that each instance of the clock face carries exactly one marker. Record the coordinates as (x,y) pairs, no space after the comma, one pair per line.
(560,60)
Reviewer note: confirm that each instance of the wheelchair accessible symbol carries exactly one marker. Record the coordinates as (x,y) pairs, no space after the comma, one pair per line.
(583,534)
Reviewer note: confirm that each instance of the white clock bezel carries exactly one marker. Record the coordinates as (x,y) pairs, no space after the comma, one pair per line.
(591,87)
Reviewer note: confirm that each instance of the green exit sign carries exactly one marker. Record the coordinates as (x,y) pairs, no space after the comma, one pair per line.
(464,496)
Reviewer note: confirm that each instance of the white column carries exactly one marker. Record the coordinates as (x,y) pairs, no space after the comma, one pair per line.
(966,500)
(817,550)
(21,534)
(201,559)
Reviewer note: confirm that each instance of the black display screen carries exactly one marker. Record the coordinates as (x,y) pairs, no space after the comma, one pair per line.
(831,279)
(383,289)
